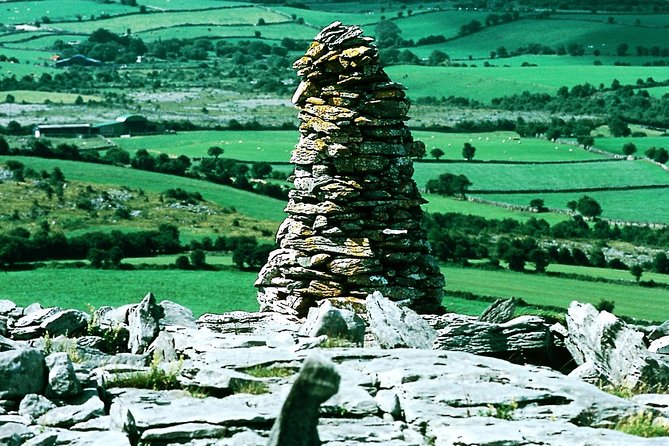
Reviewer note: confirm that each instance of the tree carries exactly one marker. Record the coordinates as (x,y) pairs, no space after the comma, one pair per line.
(79,100)
(437,57)
(516,259)
(117,155)
(618,127)
(622,49)
(468,151)
(571,205)
(540,259)
(215,151)
(605,305)
(437,153)
(10,99)
(387,33)
(4,146)
(636,271)
(538,205)
(588,207)
(198,259)
(261,170)
(182,262)
(449,184)
(629,148)
(661,263)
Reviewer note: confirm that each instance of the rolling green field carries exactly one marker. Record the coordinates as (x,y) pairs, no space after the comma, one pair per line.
(486,83)
(38,97)
(29,11)
(441,204)
(552,32)
(501,146)
(143,22)
(528,177)
(269,145)
(606,273)
(201,291)
(275,145)
(254,205)
(271,31)
(635,205)
(634,301)
(220,291)
(615,145)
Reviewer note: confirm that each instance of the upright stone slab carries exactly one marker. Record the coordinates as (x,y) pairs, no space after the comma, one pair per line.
(353,224)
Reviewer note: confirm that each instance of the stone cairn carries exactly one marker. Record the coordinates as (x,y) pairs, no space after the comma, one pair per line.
(354,214)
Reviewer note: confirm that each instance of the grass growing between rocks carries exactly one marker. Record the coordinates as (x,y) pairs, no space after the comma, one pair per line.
(156,378)
(250,387)
(643,424)
(260,371)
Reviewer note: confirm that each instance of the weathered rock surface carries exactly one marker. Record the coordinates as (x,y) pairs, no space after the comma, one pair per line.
(334,322)
(605,348)
(396,327)
(62,380)
(500,311)
(144,323)
(22,372)
(354,213)
(469,334)
(397,397)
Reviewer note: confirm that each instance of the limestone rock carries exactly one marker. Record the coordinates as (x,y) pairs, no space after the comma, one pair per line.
(21,372)
(463,333)
(63,382)
(88,405)
(499,311)
(34,406)
(613,351)
(14,434)
(334,322)
(396,327)
(176,315)
(144,323)
(660,345)
(67,322)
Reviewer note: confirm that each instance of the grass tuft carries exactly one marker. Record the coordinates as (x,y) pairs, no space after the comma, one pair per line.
(643,424)
(260,371)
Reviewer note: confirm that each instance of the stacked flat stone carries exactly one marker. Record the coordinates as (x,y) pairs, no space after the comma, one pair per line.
(353,224)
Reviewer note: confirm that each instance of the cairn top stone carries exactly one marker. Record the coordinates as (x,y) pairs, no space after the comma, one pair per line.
(354,214)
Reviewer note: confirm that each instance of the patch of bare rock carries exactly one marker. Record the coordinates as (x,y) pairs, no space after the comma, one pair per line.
(386,376)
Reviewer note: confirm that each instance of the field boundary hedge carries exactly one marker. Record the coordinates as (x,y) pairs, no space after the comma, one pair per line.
(451,161)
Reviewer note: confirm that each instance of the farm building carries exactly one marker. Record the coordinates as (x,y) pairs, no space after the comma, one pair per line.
(78,59)
(123,125)
(66,130)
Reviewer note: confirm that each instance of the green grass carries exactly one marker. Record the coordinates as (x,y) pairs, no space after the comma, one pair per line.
(269,145)
(257,206)
(521,33)
(441,204)
(484,84)
(275,145)
(275,31)
(519,177)
(446,23)
(606,273)
(633,301)
(615,145)
(29,11)
(502,146)
(658,92)
(38,97)
(201,291)
(217,260)
(634,205)
(142,22)
(644,424)
(318,19)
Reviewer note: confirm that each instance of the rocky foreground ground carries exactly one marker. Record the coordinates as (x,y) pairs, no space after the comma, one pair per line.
(230,374)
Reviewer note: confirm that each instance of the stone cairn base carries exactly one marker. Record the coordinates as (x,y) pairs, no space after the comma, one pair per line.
(353,224)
